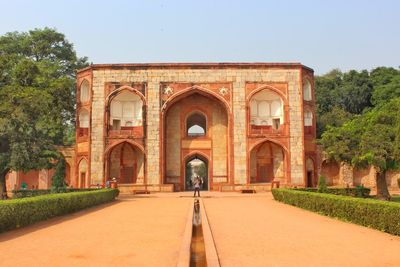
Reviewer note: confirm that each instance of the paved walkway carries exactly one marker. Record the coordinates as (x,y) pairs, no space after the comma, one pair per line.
(257,231)
(147,230)
(140,231)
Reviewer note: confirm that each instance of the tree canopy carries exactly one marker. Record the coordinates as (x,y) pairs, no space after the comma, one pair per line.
(367,135)
(340,96)
(37,98)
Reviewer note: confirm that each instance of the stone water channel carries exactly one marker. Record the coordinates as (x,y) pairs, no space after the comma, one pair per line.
(197,247)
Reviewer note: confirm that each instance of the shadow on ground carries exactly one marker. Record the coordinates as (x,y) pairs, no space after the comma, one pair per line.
(15,233)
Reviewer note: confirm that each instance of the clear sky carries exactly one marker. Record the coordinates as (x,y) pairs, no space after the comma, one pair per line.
(322,34)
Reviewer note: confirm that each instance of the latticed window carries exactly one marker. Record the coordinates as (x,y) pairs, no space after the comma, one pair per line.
(266,108)
(307,90)
(308,118)
(84,119)
(126,110)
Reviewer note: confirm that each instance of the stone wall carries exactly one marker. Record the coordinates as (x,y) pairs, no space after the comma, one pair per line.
(173,144)
(219,136)
(97,128)
(278,163)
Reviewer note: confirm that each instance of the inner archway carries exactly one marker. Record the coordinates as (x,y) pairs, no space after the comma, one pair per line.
(196,167)
(196,123)
(267,163)
(310,173)
(125,164)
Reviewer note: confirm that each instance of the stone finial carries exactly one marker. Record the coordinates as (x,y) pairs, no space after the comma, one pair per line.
(168,91)
(223,91)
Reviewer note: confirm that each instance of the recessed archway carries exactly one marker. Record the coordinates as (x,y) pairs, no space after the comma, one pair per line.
(267,163)
(83,173)
(125,163)
(266,110)
(198,109)
(310,170)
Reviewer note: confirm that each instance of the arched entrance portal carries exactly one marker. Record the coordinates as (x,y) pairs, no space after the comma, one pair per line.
(196,123)
(196,166)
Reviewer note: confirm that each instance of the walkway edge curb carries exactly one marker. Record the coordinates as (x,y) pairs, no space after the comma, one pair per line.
(211,251)
(184,253)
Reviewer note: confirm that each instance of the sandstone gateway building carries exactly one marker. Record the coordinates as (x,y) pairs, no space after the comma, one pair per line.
(250,123)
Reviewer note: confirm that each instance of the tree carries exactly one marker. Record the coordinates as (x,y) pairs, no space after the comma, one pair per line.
(202,170)
(386,82)
(356,91)
(58,179)
(335,117)
(37,102)
(371,139)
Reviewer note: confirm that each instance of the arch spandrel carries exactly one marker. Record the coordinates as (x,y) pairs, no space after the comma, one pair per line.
(171,98)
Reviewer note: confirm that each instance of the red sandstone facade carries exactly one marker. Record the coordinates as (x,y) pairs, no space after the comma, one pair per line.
(133,120)
(256,121)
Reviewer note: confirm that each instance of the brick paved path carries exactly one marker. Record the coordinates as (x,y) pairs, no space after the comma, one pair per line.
(249,230)
(257,231)
(141,231)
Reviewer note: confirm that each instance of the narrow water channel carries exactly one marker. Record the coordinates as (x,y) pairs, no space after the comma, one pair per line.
(197,248)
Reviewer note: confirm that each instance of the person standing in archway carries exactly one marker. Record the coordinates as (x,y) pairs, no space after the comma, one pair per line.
(197,186)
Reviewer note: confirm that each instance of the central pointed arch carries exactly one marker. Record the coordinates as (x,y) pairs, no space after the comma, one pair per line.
(184,145)
(192,90)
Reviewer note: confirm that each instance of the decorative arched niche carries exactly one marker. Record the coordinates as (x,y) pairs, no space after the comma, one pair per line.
(83,119)
(308,122)
(266,109)
(83,173)
(307,92)
(308,118)
(84,91)
(126,111)
(310,166)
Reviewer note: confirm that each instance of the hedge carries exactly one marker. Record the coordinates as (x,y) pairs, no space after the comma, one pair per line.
(381,215)
(359,191)
(16,213)
(38,192)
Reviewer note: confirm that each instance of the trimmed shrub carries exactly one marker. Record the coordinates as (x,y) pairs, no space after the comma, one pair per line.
(358,191)
(30,193)
(322,188)
(381,215)
(38,192)
(16,213)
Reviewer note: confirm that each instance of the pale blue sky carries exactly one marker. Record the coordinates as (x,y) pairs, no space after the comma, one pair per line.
(320,34)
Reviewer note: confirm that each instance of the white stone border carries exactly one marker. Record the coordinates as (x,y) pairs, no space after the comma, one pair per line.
(211,251)
(184,253)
